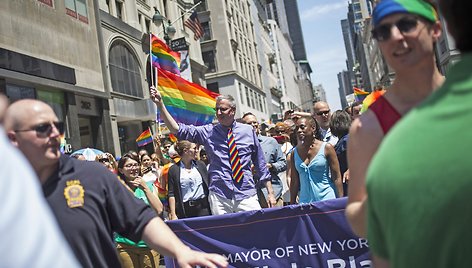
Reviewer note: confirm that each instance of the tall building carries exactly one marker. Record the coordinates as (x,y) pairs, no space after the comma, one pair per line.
(125,28)
(231,55)
(348,36)
(52,51)
(344,85)
(295,30)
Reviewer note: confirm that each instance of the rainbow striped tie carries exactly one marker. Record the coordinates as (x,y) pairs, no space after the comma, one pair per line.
(234,159)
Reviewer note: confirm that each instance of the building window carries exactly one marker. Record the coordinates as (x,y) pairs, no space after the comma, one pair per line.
(206,31)
(147,24)
(209,60)
(119,10)
(77,9)
(253,105)
(248,98)
(124,71)
(241,93)
(213,87)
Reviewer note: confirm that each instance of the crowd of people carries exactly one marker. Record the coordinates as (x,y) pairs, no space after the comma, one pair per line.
(406,186)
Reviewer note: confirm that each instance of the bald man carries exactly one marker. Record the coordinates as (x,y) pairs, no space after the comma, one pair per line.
(322,115)
(88,201)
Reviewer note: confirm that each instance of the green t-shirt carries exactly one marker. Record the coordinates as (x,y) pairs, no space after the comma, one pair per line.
(420,181)
(140,195)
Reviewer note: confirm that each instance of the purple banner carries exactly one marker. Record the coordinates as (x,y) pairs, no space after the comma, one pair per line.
(313,235)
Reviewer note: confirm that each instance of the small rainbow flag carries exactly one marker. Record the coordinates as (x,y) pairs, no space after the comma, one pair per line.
(187,102)
(161,56)
(144,138)
(360,94)
(162,190)
(172,138)
(371,99)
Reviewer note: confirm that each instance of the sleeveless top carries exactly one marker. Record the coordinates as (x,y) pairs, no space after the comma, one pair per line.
(315,181)
(386,114)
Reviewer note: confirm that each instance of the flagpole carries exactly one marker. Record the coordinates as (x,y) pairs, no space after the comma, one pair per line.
(150,60)
(185,13)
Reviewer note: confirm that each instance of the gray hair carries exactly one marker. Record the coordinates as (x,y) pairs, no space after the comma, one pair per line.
(229,98)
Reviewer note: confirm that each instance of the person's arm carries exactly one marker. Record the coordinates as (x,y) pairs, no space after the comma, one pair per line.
(166,116)
(260,166)
(364,139)
(346,178)
(294,180)
(151,196)
(334,169)
(172,214)
(271,202)
(280,163)
(171,188)
(157,149)
(160,237)
(288,172)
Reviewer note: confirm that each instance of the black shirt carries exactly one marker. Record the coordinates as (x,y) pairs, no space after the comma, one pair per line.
(90,204)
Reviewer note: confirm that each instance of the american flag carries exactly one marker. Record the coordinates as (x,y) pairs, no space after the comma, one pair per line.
(194,24)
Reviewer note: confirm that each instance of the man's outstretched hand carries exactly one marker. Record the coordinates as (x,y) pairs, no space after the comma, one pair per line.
(155,95)
(189,258)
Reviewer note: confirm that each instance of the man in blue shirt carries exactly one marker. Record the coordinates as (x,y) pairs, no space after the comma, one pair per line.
(226,195)
(88,201)
(276,162)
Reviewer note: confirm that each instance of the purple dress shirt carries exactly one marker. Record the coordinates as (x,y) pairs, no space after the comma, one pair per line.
(213,137)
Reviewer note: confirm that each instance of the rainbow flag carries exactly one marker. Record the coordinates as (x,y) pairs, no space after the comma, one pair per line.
(187,102)
(371,98)
(360,94)
(162,190)
(144,138)
(172,138)
(163,57)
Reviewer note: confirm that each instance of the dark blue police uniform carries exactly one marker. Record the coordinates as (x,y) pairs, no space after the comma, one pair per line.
(90,203)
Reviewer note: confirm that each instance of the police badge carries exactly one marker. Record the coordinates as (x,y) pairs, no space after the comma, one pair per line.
(74,194)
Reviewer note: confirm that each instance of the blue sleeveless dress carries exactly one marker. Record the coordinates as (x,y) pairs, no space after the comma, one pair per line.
(315,181)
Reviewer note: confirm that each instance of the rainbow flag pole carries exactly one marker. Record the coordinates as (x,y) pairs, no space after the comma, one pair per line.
(144,138)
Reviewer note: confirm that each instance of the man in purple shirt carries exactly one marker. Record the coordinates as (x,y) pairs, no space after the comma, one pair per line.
(226,195)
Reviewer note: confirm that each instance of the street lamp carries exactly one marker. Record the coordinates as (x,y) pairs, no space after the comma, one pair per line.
(169,32)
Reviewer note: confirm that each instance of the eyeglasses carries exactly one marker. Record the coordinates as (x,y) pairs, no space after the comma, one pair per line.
(44,129)
(405,25)
(222,109)
(131,166)
(320,113)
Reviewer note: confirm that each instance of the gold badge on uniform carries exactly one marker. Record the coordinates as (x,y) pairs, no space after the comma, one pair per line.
(74,193)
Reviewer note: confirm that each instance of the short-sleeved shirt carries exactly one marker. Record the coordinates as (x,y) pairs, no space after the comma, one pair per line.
(419,182)
(90,204)
(214,138)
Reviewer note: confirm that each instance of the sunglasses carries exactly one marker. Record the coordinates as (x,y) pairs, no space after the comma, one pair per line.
(405,25)
(104,160)
(45,128)
(323,113)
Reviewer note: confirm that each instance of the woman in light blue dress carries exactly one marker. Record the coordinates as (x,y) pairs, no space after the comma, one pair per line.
(316,175)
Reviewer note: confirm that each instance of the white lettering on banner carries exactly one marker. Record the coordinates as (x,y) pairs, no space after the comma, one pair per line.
(259,255)
(340,263)
(254,255)
(311,249)
(353,243)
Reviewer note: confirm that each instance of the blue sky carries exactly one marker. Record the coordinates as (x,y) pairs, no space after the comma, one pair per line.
(321,25)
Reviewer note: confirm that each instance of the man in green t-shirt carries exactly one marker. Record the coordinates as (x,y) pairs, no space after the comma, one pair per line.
(419,182)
